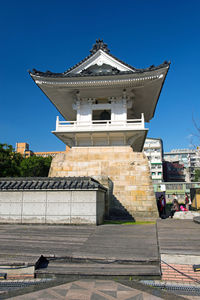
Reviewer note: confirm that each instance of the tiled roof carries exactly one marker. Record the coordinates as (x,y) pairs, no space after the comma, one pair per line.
(100,45)
(50,183)
(65,74)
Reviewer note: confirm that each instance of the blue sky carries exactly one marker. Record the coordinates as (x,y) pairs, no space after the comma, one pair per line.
(54,35)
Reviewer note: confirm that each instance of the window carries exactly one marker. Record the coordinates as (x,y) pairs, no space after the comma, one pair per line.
(101,114)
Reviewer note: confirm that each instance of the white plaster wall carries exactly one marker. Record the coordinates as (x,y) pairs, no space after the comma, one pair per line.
(56,207)
(84,114)
(10,207)
(118,111)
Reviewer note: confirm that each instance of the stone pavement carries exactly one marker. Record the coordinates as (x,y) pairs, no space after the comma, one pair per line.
(178,237)
(196,220)
(107,248)
(25,243)
(179,243)
(96,290)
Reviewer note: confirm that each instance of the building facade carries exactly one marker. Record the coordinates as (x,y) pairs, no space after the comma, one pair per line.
(185,161)
(173,171)
(105,103)
(153,149)
(24,150)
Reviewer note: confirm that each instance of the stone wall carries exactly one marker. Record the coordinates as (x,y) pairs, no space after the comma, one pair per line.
(128,171)
(52,207)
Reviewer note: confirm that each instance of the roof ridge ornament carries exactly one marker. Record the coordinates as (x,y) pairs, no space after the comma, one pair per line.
(99,45)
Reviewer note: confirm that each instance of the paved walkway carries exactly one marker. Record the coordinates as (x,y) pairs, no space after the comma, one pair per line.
(179,243)
(90,250)
(113,250)
(25,243)
(98,290)
(178,237)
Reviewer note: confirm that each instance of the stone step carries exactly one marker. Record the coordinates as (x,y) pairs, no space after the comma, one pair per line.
(96,269)
(99,260)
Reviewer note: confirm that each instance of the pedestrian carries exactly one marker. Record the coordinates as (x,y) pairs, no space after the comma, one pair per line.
(186,201)
(161,203)
(190,203)
(175,207)
(174,196)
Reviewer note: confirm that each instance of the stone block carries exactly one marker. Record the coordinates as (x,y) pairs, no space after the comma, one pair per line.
(58,219)
(10,219)
(58,209)
(141,198)
(119,188)
(10,208)
(141,193)
(146,203)
(83,150)
(31,219)
(33,209)
(83,209)
(81,158)
(128,171)
(89,196)
(36,196)
(10,196)
(83,220)
(59,196)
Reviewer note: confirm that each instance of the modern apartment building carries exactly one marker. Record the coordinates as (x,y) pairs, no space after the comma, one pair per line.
(188,158)
(153,148)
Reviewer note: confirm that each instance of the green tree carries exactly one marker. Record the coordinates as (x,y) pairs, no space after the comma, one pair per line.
(9,161)
(35,166)
(197,175)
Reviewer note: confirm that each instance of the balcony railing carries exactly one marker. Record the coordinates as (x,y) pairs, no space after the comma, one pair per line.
(131,124)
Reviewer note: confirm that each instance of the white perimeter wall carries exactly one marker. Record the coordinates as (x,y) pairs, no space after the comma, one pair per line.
(57,207)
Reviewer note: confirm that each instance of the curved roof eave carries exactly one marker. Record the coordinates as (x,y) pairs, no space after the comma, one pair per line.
(48,74)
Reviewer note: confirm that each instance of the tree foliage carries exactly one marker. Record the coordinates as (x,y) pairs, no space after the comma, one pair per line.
(34,166)
(197,175)
(13,164)
(9,161)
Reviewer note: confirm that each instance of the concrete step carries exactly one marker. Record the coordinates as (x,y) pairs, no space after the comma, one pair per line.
(91,259)
(99,269)
(17,259)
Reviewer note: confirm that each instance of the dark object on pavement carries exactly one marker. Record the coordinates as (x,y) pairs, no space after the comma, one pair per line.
(3,275)
(164,216)
(196,220)
(196,268)
(41,263)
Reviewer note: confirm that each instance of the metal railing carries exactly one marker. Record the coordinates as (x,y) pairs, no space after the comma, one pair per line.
(178,188)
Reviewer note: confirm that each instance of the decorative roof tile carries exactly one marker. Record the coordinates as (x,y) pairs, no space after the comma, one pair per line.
(99,45)
(50,183)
